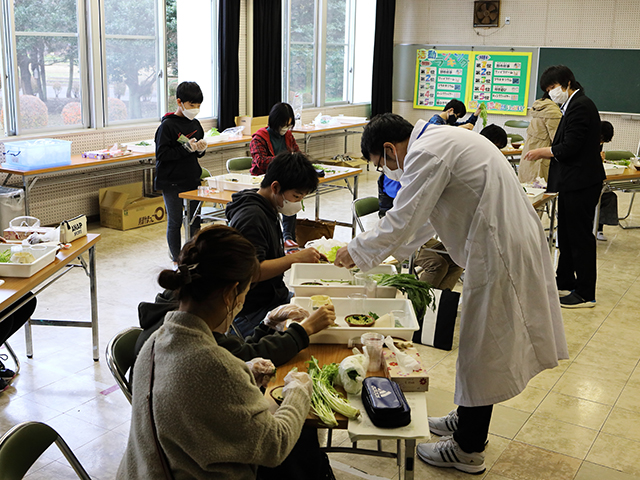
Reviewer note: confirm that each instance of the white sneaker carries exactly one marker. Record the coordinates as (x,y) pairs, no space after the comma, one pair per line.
(447,453)
(446,425)
(600,236)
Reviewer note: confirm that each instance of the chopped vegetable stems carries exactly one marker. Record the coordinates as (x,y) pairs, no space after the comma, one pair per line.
(325,398)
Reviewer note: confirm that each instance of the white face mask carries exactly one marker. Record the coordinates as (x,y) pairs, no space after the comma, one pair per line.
(283,130)
(190,113)
(289,208)
(558,95)
(394,175)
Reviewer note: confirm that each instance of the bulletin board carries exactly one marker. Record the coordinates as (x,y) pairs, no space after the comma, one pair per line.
(501,81)
(440,73)
(441,76)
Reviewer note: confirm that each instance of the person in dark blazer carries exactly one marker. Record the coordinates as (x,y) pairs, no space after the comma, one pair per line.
(576,172)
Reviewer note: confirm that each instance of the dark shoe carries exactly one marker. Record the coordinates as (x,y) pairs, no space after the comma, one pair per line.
(574,300)
(5,372)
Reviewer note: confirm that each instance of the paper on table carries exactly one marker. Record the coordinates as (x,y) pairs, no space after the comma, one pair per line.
(362,428)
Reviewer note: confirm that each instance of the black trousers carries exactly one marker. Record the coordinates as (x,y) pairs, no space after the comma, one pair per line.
(473,427)
(577,262)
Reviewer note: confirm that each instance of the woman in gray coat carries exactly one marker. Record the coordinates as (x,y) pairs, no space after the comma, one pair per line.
(197,411)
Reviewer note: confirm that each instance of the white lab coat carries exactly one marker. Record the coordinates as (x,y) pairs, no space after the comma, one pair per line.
(457,184)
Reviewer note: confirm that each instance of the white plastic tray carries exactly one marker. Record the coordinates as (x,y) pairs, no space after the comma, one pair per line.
(315,272)
(534,194)
(611,169)
(237,181)
(380,306)
(151,148)
(223,137)
(45,254)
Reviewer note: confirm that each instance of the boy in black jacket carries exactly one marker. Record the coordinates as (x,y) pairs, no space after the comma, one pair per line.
(179,144)
(255,213)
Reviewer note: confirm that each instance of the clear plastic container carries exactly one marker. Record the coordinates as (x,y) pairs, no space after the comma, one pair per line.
(37,154)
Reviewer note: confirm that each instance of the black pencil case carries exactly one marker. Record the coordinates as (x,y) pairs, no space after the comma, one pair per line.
(385,403)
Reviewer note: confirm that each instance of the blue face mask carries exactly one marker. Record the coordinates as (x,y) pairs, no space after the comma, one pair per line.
(394,175)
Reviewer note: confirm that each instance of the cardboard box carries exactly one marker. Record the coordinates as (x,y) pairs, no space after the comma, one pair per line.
(252,123)
(415,381)
(124,207)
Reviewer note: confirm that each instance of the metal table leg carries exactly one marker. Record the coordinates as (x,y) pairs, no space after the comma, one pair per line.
(552,222)
(353,215)
(409,458)
(186,219)
(94,303)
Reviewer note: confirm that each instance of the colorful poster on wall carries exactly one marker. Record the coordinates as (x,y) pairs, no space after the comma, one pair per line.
(501,82)
(441,76)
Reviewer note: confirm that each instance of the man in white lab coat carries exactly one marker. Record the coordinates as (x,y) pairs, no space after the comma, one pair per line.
(457,184)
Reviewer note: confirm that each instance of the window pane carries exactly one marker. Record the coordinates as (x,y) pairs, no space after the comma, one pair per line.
(46,16)
(337,28)
(303,16)
(49,78)
(132,63)
(335,75)
(363,55)
(301,78)
(193,57)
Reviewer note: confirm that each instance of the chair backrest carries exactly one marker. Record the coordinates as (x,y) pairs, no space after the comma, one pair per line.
(617,155)
(21,446)
(238,164)
(516,123)
(121,357)
(364,206)
(515,138)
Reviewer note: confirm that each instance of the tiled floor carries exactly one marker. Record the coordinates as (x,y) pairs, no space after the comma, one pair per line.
(579,421)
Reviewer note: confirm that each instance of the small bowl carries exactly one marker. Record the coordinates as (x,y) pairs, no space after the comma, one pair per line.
(276,394)
(516,145)
(359,320)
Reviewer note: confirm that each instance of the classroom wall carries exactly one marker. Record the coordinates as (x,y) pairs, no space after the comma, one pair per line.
(539,23)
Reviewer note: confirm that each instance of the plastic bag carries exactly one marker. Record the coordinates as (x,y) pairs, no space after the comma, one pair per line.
(263,370)
(296,104)
(325,121)
(406,362)
(234,131)
(352,371)
(327,246)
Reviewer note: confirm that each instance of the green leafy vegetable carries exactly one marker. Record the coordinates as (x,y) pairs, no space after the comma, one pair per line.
(374,315)
(331,254)
(5,256)
(483,114)
(346,282)
(212,133)
(420,293)
(143,144)
(325,398)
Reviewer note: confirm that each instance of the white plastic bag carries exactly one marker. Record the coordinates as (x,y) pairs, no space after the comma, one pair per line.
(325,121)
(406,362)
(352,371)
(326,246)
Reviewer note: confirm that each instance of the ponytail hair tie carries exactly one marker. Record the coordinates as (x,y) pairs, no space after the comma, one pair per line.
(188,273)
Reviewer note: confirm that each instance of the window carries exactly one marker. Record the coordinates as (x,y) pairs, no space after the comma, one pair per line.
(131,29)
(47,65)
(69,64)
(324,41)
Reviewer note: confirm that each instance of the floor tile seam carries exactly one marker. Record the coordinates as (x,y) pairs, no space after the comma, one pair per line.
(582,459)
(542,414)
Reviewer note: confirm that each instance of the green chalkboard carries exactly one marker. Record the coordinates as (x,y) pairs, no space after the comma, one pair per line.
(611,78)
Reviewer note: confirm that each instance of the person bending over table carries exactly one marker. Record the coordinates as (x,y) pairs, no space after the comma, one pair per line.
(454,111)
(254,213)
(266,143)
(576,173)
(194,403)
(608,200)
(457,184)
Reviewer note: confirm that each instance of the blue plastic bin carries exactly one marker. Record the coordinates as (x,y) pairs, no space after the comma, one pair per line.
(37,154)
